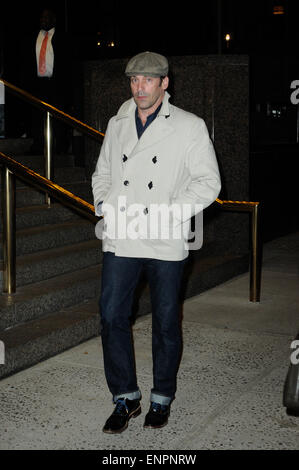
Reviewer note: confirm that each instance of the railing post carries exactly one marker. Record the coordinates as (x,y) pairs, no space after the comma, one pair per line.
(8,194)
(48,147)
(256,253)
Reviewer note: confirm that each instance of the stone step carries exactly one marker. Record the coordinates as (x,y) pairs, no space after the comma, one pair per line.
(16,146)
(37,340)
(44,237)
(46,264)
(204,271)
(60,176)
(32,216)
(44,297)
(26,196)
(38,161)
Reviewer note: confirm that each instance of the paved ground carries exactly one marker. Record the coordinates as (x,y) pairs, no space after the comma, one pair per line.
(230,382)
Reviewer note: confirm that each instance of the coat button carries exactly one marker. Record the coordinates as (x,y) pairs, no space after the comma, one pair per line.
(154,160)
(150,185)
(145,211)
(122,209)
(125,158)
(126,183)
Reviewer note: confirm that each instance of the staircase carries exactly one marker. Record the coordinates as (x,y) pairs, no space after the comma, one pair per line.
(58,269)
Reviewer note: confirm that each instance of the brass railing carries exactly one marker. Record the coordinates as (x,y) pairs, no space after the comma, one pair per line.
(50,112)
(57,113)
(256,244)
(12,168)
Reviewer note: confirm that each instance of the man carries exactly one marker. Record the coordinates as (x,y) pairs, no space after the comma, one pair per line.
(154,154)
(47,71)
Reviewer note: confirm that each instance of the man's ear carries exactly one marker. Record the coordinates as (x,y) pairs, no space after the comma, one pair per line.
(165,83)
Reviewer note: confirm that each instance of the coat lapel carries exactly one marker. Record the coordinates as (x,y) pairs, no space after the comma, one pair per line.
(126,127)
(158,130)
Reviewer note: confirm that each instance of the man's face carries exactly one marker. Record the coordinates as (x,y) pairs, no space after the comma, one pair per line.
(148,92)
(47,20)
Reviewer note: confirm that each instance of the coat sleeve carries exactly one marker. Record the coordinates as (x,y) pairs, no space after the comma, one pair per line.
(101,178)
(203,174)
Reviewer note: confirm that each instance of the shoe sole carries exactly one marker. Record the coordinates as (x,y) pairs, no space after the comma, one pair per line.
(134,414)
(155,427)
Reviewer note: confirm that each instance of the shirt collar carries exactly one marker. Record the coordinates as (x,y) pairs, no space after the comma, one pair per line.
(150,117)
(50,32)
(139,126)
(129,107)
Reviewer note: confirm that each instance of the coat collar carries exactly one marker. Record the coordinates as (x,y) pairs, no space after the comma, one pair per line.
(158,130)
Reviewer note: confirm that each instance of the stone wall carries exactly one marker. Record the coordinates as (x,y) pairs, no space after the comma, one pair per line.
(213,87)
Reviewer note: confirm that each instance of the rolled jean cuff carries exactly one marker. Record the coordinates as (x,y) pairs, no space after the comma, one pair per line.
(161,399)
(130,396)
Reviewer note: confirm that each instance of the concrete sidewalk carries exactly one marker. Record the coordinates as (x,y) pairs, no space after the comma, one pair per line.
(230,382)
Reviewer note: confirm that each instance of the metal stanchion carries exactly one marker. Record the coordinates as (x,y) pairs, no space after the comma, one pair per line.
(8,194)
(255,271)
(48,147)
(2,109)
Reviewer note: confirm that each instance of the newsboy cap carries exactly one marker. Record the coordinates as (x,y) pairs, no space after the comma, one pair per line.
(147,64)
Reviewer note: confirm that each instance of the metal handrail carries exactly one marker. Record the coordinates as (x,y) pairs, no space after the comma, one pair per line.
(45,184)
(51,111)
(256,245)
(10,169)
(72,121)
(246,206)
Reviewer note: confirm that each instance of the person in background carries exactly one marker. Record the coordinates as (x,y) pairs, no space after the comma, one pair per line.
(48,72)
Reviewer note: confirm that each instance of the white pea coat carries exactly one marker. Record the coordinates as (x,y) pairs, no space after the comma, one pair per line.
(173,164)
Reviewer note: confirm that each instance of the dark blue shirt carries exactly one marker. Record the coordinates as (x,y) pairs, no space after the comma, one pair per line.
(139,127)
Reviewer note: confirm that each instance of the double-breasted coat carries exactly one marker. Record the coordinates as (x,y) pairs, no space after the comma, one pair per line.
(172,165)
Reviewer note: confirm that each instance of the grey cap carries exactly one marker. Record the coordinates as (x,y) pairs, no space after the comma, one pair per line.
(147,64)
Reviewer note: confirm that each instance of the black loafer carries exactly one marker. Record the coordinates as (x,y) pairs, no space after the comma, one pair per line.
(124,410)
(157,417)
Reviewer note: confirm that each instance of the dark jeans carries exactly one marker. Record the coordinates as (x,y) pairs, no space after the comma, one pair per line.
(119,279)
